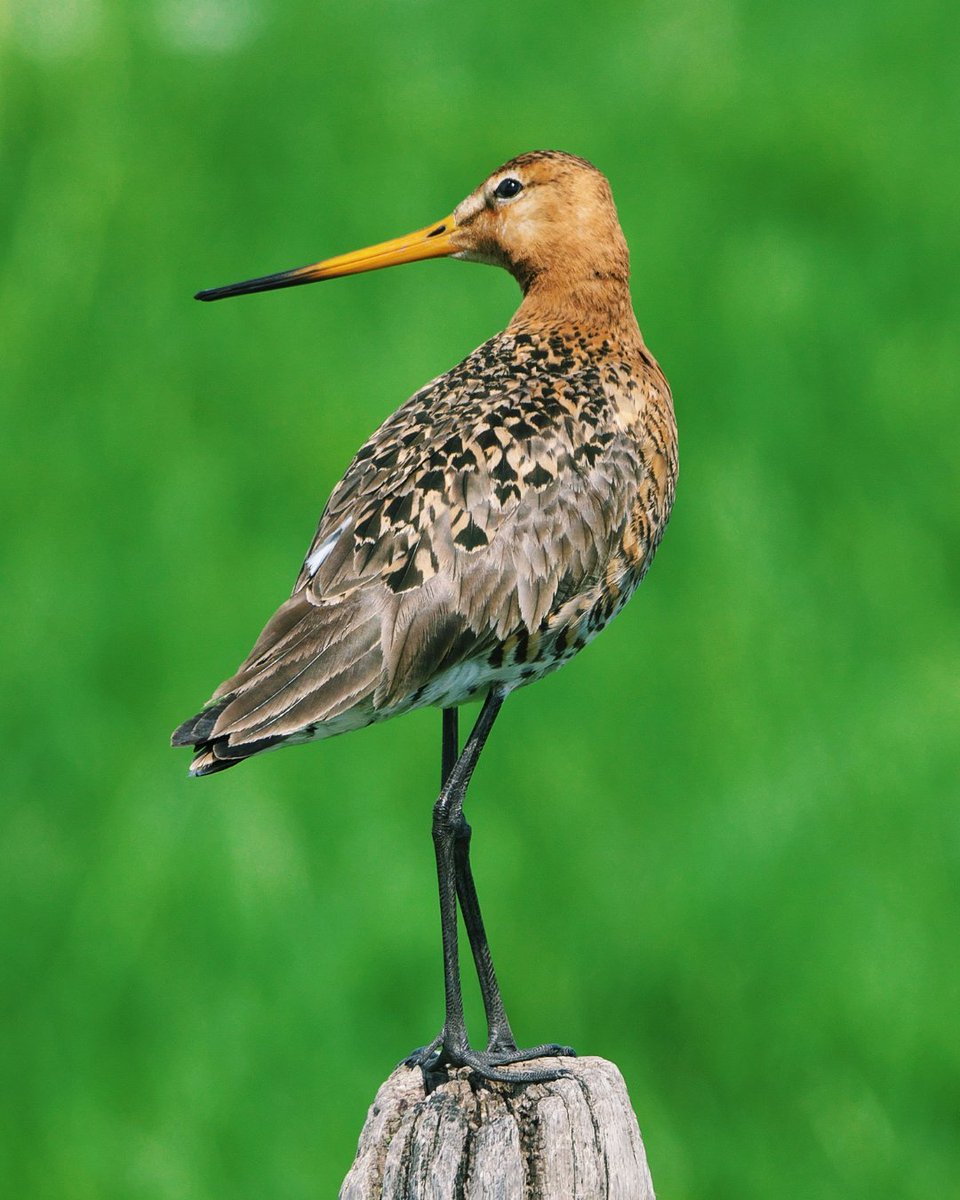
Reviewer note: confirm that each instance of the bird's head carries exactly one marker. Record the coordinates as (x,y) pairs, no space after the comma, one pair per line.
(543,216)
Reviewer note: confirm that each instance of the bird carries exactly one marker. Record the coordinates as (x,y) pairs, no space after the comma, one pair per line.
(480,538)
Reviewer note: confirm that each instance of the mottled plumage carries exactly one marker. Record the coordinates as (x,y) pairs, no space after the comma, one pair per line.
(491,526)
(482,536)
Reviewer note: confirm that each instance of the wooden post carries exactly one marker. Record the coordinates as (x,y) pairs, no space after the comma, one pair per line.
(572,1139)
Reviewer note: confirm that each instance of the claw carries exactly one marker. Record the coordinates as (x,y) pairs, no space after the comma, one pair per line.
(481,1065)
(425,1057)
(510,1054)
(487,1064)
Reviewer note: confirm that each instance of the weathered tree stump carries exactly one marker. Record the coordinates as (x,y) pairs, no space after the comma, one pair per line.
(572,1139)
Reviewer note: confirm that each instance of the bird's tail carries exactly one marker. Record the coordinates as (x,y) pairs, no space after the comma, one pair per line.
(309,666)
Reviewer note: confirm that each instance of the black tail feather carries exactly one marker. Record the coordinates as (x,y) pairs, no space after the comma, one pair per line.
(198,729)
(213,753)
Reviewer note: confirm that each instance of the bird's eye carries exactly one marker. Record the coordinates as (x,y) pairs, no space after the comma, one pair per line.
(507,188)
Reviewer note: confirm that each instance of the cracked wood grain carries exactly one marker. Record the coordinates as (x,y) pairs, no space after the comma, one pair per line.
(572,1139)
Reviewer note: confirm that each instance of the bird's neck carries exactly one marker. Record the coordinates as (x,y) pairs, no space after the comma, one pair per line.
(591,301)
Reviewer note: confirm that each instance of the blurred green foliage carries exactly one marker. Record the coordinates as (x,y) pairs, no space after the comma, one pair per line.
(722,847)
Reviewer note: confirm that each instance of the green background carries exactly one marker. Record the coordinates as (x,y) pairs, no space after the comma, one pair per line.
(722,847)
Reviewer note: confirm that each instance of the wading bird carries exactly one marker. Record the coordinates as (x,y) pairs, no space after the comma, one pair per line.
(482,536)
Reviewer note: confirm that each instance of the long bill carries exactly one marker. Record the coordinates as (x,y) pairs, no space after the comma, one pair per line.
(435,241)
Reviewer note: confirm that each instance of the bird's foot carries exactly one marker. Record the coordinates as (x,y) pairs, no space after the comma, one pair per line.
(445,1053)
(425,1057)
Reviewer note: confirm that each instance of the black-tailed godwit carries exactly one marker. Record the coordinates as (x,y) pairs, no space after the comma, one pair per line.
(482,536)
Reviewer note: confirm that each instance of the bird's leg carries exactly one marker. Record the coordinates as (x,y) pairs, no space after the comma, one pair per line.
(499,1034)
(450,746)
(449,753)
(500,1040)
(451,836)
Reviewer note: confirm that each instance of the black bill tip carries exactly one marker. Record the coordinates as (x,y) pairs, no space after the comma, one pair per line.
(265,283)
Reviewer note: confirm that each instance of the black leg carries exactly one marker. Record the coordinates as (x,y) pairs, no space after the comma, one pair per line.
(450,749)
(499,1034)
(451,836)
(447,817)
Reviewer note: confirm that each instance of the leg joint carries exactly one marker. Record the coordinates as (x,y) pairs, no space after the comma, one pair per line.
(449,821)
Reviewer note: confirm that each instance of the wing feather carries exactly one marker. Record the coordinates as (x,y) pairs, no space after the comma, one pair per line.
(472,514)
